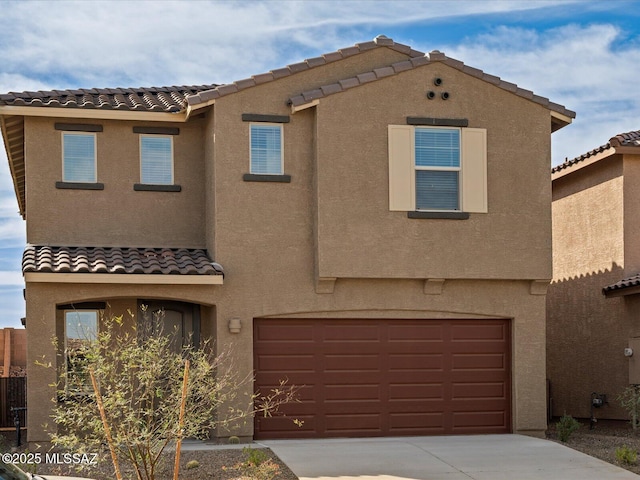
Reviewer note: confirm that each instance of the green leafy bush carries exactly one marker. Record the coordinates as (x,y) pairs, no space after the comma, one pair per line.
(566,426)
(626,455)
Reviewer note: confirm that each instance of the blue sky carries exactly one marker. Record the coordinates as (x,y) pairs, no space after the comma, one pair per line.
(584,55)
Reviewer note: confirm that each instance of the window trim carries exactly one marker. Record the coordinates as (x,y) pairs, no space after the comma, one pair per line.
(170,138)
(95,156)
(266,124)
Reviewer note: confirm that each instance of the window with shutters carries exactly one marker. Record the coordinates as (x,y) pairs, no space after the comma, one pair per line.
(437,169)
(266,149)
(79,157)
(156,160)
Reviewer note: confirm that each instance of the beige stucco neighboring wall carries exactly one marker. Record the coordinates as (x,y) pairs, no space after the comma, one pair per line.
(586,332)
(631,214)
(103,217)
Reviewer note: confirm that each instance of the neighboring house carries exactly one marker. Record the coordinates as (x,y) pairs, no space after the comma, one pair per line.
(383,218)
(593,304)
(13,352)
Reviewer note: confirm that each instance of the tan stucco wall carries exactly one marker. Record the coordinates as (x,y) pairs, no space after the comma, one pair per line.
(586,333)
(103,218)
(356,228)
(274,239)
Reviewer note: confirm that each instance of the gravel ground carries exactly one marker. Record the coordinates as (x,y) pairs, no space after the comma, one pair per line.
(603,440)
(600,442)
(213,464)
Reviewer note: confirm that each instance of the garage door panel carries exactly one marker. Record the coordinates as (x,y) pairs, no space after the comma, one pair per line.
(350,362)
(416,423)
(404,361)
(370,377)
(284,427)
(477,331)
(478,420)
(352,423)
(411,391)
(280,334)
(351,377)
(488,361)
(286,363)
(415,333)
(352,392)
(341,333)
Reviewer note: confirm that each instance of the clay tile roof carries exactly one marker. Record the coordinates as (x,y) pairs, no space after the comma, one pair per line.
(632,281)
(415,62)
(117,260)
(379,41)
(153,99)
(629,139)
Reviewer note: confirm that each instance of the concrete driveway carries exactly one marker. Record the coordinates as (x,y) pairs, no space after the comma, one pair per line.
(480,457)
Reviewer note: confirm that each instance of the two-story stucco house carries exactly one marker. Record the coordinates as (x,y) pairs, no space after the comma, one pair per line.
(593,299)
(373,224)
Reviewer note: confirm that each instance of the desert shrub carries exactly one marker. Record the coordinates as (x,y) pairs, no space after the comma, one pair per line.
(139,375)
(257,465)
(626,455)
(566,426)
(630,400)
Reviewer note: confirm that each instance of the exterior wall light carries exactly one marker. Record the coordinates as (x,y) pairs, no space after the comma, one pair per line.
(235,325)
(628,352)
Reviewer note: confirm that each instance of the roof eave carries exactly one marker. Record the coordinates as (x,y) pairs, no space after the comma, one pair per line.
(621,291)
(93,113)
(123,278)
(14,160)
(606,153)
(559,120)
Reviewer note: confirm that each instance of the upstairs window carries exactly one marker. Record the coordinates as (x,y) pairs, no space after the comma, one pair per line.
(156,160)
(266,149)
(437,164)
(437,169)
(79,157)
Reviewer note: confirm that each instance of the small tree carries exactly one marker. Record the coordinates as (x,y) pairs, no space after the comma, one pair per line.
(139,374)
(630,400)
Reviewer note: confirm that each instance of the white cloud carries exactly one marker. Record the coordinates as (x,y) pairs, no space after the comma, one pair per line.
(195,42)
(578,67)
(11,278)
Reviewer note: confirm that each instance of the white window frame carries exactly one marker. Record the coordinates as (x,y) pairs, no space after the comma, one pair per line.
(67,347)
(170,137)
(266,124)
(95,156)
(458,169)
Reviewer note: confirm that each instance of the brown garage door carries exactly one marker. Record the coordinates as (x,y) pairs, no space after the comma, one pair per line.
(385,377)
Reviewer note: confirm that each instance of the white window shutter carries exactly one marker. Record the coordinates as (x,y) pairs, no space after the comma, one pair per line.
(474,170)
(401,168)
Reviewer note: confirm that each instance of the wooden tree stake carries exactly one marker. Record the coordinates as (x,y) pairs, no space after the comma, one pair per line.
(107,431)
(183,402)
